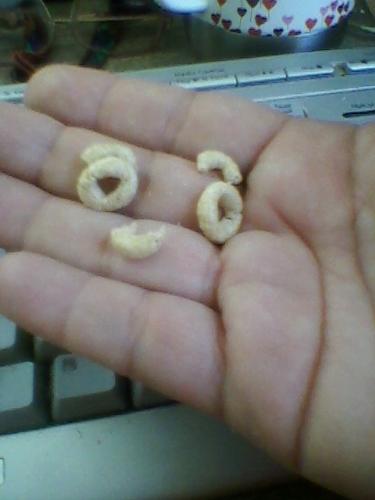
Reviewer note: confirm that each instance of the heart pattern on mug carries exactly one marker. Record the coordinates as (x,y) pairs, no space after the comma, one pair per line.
(269,4)
(310,23)
(259,19)
(255,32)
(241,11)
(227,23)
(287,20)
(334,5)
(269,17)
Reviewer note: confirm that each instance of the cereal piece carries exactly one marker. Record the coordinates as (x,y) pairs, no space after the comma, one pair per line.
(136,246)
(107,161)
(216,160)
(99,151)
(216,197)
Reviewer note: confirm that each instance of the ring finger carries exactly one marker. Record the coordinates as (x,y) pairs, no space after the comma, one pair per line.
(32,220)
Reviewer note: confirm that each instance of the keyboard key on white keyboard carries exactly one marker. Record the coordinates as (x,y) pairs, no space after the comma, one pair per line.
(364,66)
(22,397)
(15,344)
(206,82)
(256,78)
(318,71)
(291,108)
(44,352)
(12,93)
(143,397)
(81,389)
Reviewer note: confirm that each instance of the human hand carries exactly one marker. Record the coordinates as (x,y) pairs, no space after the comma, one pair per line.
(274,332)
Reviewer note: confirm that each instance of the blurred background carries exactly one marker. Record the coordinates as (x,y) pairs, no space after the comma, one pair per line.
(121,35)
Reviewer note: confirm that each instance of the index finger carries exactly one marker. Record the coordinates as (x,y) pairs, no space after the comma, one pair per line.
(152,116)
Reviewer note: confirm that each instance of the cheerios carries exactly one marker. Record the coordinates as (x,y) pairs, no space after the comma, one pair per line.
(136,246)
(107,161)
(216,160)
(216,198)
(103,150)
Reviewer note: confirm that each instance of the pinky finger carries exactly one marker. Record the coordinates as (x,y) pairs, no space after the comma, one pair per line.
(169,343)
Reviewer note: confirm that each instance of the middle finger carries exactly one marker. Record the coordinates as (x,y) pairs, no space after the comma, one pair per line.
(40,150)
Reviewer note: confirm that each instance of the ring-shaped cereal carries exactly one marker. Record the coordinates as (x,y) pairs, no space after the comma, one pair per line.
(93,196)
(216,160)
(103,150)
(220,197)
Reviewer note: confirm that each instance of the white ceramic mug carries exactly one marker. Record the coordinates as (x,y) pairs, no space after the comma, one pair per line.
(276,18)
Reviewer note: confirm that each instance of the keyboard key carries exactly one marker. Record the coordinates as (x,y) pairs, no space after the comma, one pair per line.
(2,252)
(44,352)
(294,108)
(143,397)
(12,93)
(360,66)
(15,344)
(253,78)
(82,389)
(206,83)
(22,397)
(310,72)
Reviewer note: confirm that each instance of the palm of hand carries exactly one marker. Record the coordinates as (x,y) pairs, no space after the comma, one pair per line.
(297,300)
(275,332)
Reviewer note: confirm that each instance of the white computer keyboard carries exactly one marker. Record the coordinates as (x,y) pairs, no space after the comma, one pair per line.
(138,447)
(333,85)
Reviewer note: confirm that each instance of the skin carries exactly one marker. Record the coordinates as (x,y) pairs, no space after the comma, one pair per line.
(274,332)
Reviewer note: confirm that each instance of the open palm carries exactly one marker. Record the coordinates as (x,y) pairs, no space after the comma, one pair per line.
(275,332)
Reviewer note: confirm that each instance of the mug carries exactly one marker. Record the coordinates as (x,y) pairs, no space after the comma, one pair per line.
(272,18)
